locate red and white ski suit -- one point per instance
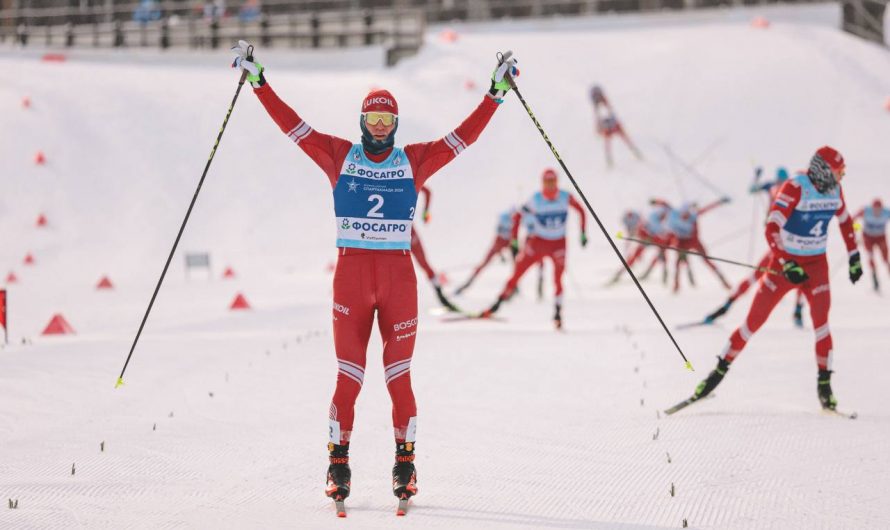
(368, 281)
(793, 208)
(539, 246)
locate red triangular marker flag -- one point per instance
(239, 302)
(58, 326)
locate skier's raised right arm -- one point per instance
(327, 151)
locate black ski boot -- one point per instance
(710, 383)
(404, 476)
(798, 316)
(339, 474)
(826, 396)
(557, 318)
(874, 279)
(719, 312)
(493, 309)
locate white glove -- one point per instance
(244, 61)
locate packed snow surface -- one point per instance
(222, 422)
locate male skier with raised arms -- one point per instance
(375, 187)
(797, 234)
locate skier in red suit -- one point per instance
(375, 185)
(653, 231)
(874, 235)
(772, 190)
(549, 209)
(607, 124)
(797, 234)
(683, 225)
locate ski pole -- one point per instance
(596, 217)
(620, 235)
(120, 379)
(691, 170)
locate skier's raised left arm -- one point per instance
(429, 157)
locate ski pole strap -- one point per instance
(621, 235)
(597, 219)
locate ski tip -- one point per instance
(340, 507)
(689, 366)
(119, 383)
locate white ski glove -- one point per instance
(244, 61)
(500, 85)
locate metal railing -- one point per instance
(178, 24)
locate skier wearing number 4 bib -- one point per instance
(796, 232)
(375, 186)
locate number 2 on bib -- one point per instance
(373, 212)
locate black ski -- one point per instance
(685, 403)
(340, 508)
(690, 325)
(847, 415)
(461, 317)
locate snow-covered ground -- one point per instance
(222, 422)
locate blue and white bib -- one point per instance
(682, 227)
(875, 225)
(375, 202)
(806, 232)
(655, 222)
(548, 218)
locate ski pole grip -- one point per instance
(249, 58)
